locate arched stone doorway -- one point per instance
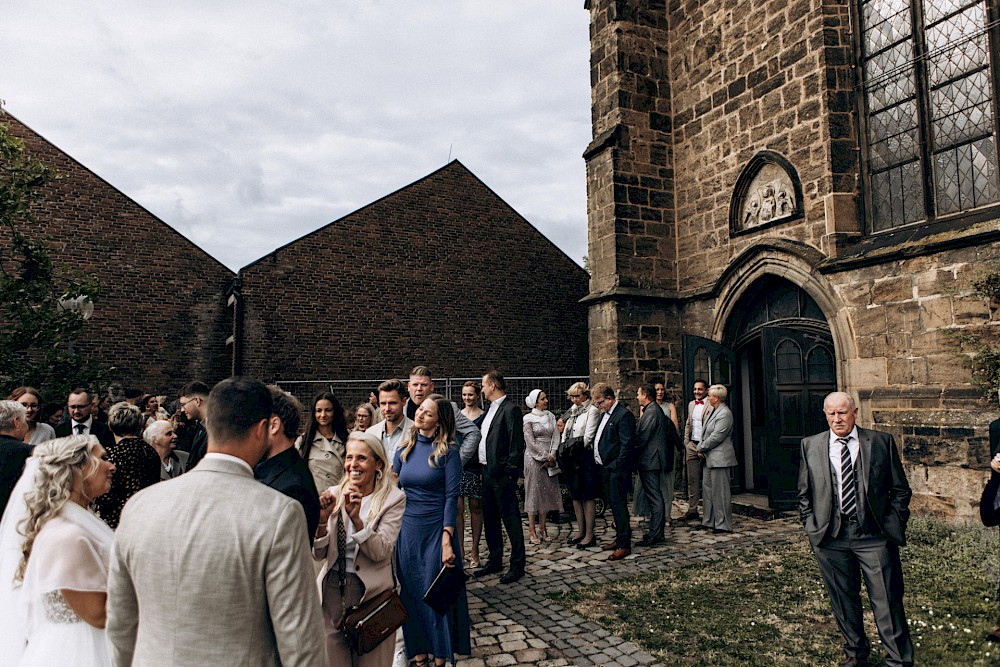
(777, 358)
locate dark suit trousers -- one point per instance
(616, 492)
(842, 562)
(500, 505)
(654, 498)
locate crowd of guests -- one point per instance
(154, 536)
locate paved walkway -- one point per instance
(518, 624)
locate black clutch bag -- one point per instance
(444, 590)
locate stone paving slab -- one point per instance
(518, 624)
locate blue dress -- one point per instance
(431, 505)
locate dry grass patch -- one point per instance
(769, 607)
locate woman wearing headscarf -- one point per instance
(541, 442)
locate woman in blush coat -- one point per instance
(368, 509)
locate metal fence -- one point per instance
(350, 393)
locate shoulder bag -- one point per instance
(368, 624)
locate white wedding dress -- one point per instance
(72, 551)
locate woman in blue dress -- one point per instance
(428, 464)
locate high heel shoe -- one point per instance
(574, 540)
(534, 539)
(587, 545)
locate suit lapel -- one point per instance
(819, 460)
(865, 452)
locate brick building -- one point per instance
(442, 272)
(162, 317)
(794, 197)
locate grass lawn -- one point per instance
(769, 607)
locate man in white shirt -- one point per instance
(854, 504)
(395, 429)
(693, 458)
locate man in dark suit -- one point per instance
(613, 451)
(282, 468)
(501, 451)
(82, 422)
(13, 451)
(191, 400)
(652, 452)
(854, 504)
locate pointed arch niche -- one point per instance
(767, 193)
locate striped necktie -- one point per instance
(849, 497)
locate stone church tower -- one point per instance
(791, 198)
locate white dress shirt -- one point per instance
(600, 432)
(836, 451)
(697, 421)
(487, 422)
(86, 426)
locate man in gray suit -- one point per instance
(651, 448)
(854, 503)
(213, 568)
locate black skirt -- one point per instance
(583, 476)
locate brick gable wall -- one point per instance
(441, 272)
(162, 318)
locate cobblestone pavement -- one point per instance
(518, 624)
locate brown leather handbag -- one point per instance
(368, 624)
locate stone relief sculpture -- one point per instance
(769, 197)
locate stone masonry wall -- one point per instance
(745, 77)
(752, 76)
(630, 181)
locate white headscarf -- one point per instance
(532, 398)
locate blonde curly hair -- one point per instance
(59, 461)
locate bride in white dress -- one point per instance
(63, 571)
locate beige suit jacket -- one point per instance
(213, 568)
(373, 562)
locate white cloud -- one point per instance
(243, 123)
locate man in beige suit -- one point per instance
(213, 568)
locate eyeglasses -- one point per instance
(183, 403)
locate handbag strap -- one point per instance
(342, 561)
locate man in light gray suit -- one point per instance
(854, 503)
(716, 446)
(213, 568)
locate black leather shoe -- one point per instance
(574, 540)
(487, 571)
(855, 662)
(511, 577)
(720, 531)
(700, 526)
(647, 542)
(587, 545)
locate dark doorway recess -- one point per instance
(777, 359)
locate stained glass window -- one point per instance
(927, 71)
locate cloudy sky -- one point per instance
(246, 124)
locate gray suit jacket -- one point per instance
(213, 568)
(717, 438)
(651, 438)
(884, 493)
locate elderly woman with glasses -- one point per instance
(579, 469)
